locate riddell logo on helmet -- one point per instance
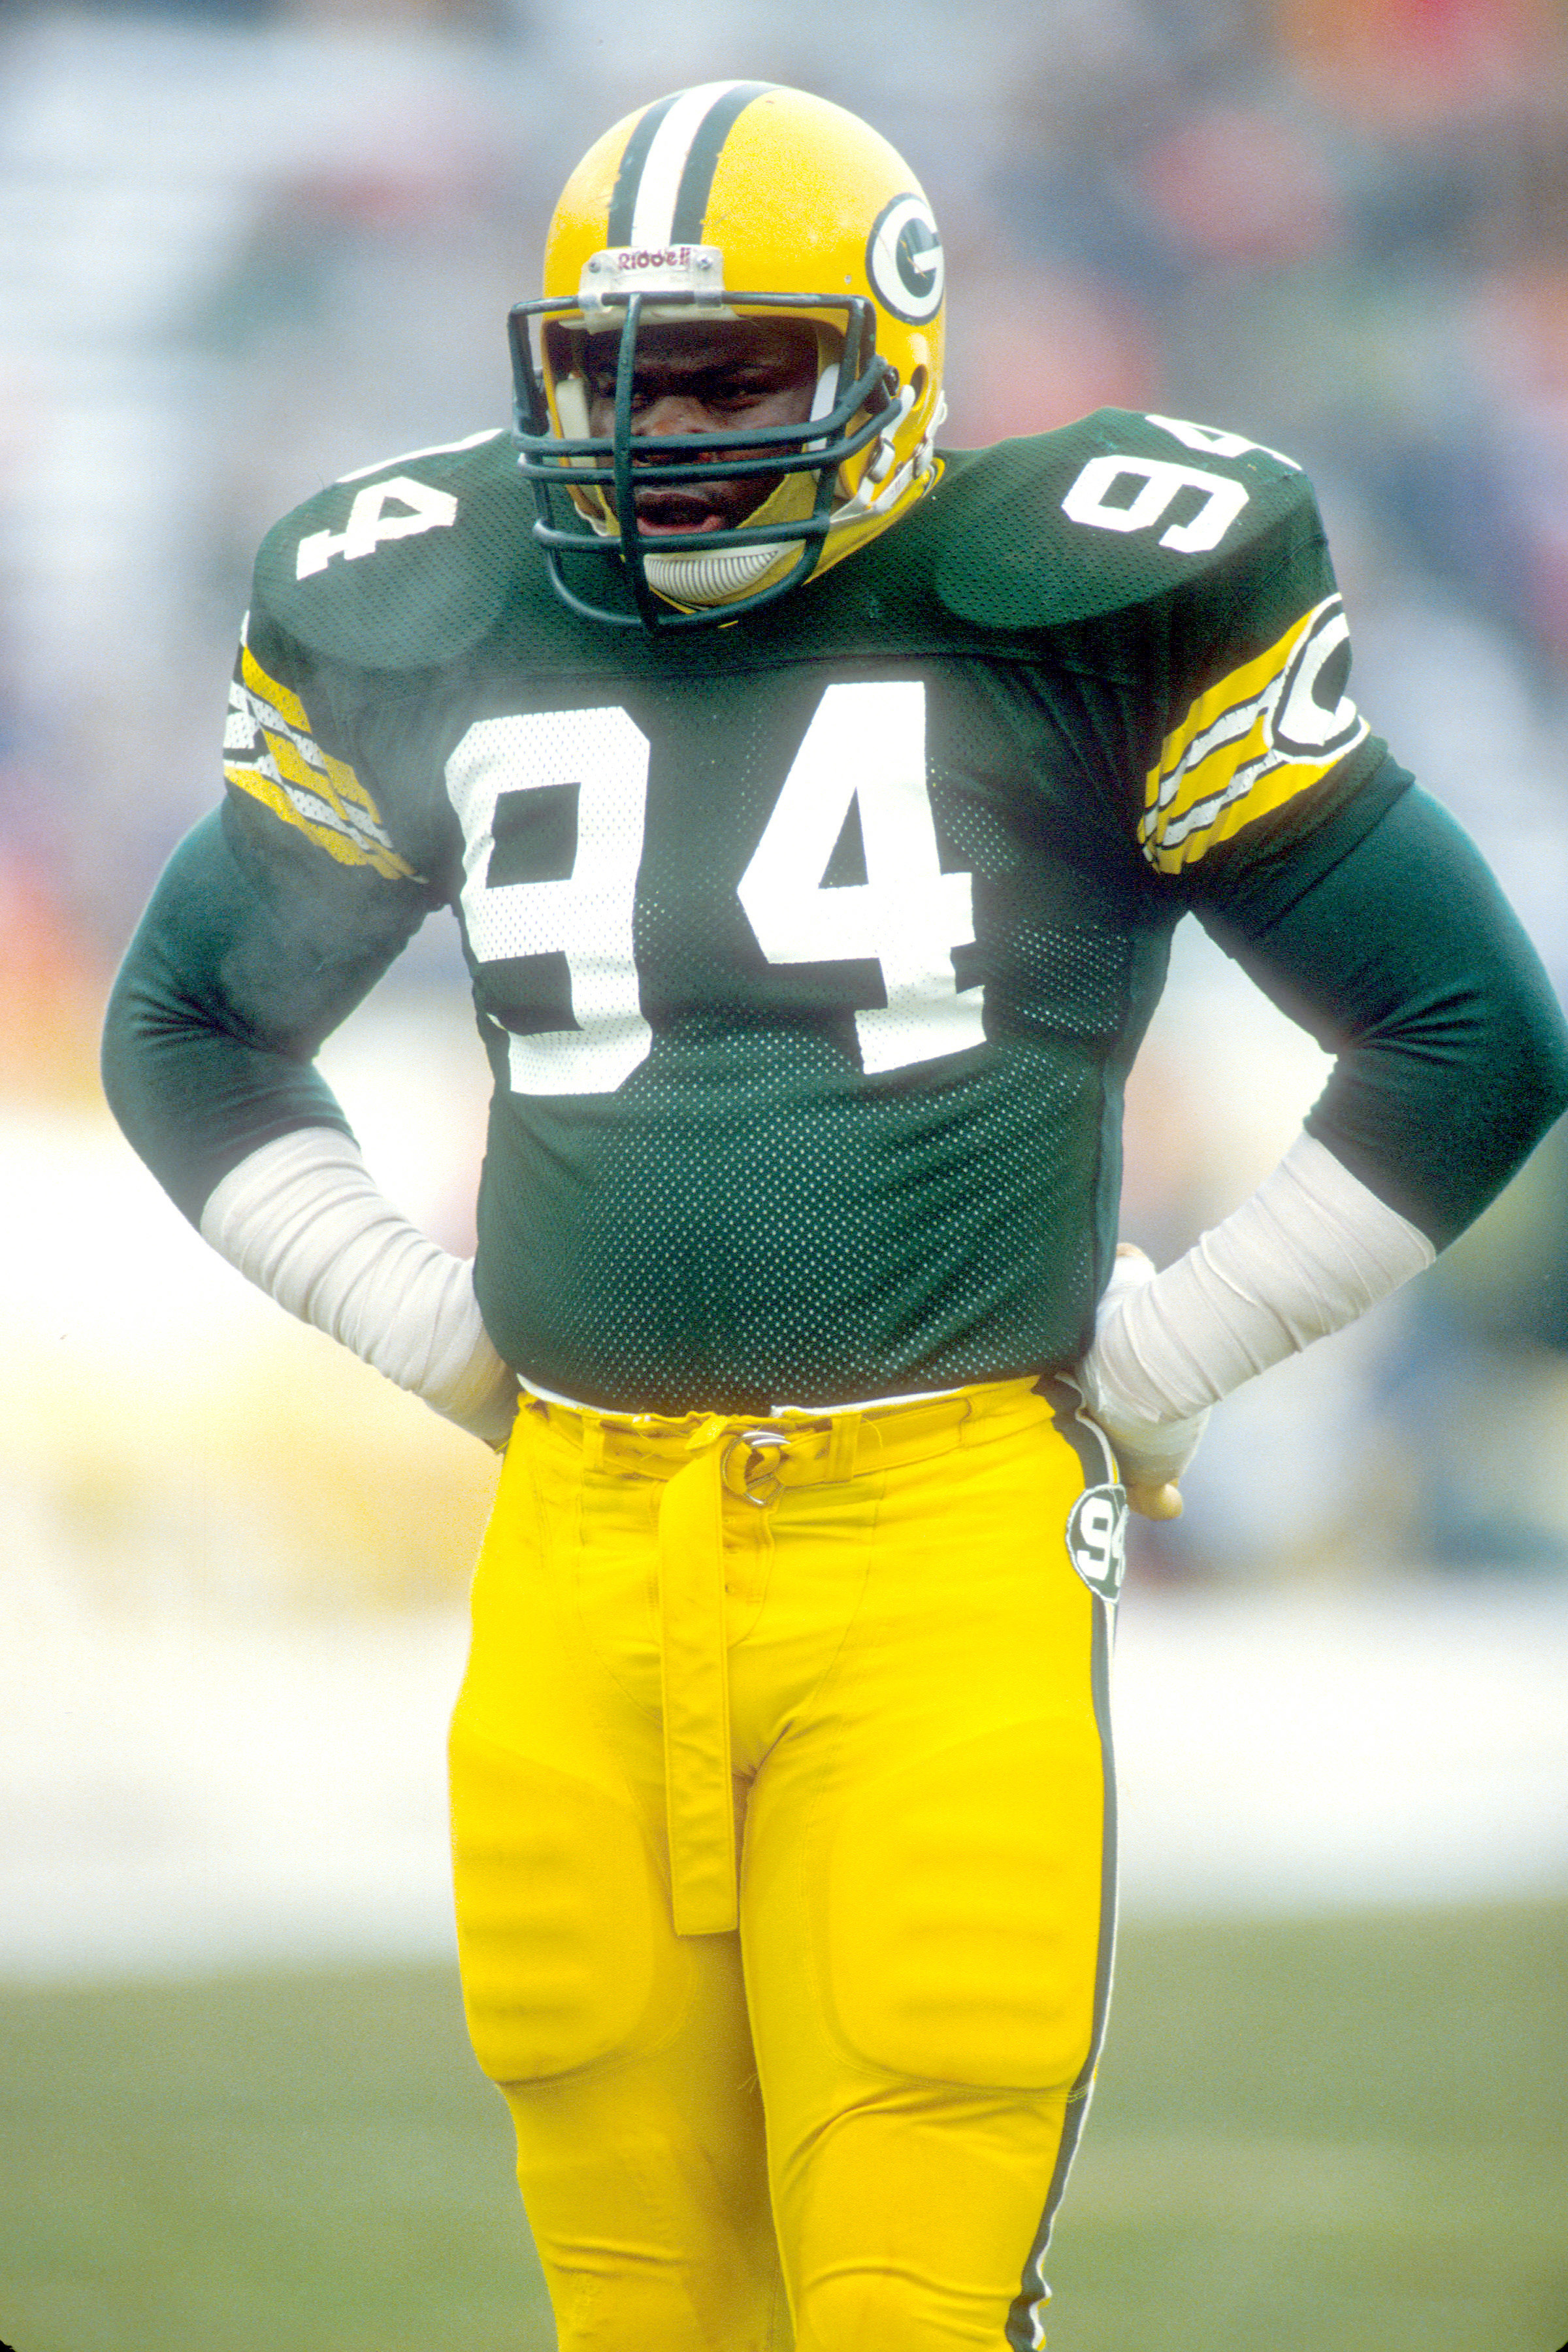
(645, 256)
(620, 269)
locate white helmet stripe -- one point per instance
(653, 217)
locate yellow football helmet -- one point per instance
(735, 200)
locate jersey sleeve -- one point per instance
(1256, 739)
(1178, 581)
(1403, 959)
(1259, 796)
(272, 920)
(273, 758)
(1270, 808)
(1266, 750)
(1354, 900)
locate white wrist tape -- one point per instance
(302, 1219)
(1151, 1446)
(1312, 1249)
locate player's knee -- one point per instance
(566, 1958)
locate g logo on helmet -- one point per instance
(903, 260)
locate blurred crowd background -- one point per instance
(247, 248)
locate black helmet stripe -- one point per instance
(666, 175)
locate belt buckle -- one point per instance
(753, 1474)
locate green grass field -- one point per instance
(1347, 2135)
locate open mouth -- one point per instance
(678, 509)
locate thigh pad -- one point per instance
(962, 1909)
(566, 1953)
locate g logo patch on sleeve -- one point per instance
(1097, 1538)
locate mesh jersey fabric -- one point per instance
(776, 1124)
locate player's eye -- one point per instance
(729, 391)
(737, 391)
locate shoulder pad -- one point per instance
(1115, 510)
(404, 565)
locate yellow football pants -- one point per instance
(783, 1832)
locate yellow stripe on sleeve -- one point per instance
(275, 758)
(1249, 744)
(284, 700)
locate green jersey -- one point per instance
(810, 952)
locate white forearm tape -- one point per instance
(303, 1220)
(1312, 1249)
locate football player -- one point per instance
(817, 805)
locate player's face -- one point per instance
(716, 376)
